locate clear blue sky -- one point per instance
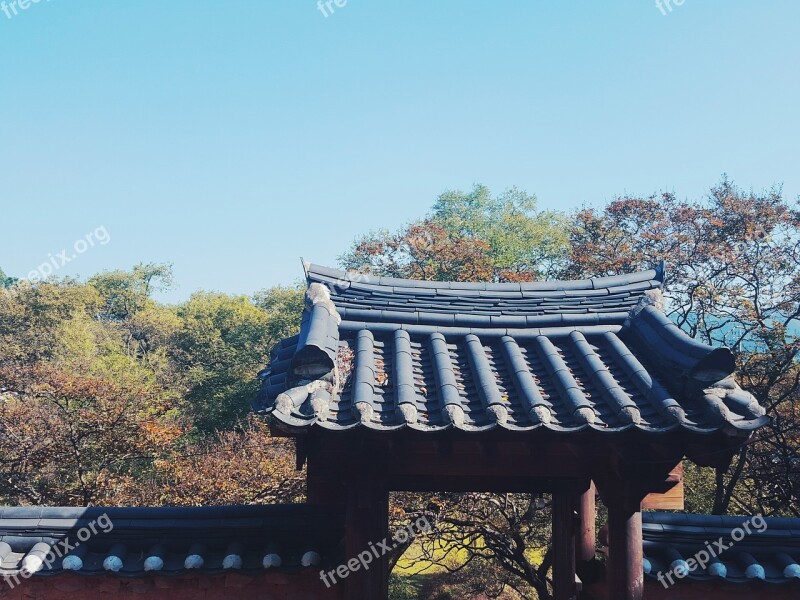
(231, 137)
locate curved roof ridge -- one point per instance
(361, 298)
(689, 523)
(338, 278)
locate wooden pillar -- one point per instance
(323, 487)
(366, 524)
(564, 528)
(585, 544)
(325, 483)
(624, 477)
(625, 575)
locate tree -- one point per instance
(423, 250)
(109, 396)
(222, 344)
(33, 315)
(69, 439)
(469, 237)
(524, 243)
(284, 308)
(6, 281)
(733, 279)
(480, 532)
(126, 293)
(245, 465)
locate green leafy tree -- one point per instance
(284, 308)
(32, 316)
(5, 280)
(523, 242)
(222, 344)
(469, 237)
(126, 293)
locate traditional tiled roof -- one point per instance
(757, 548)
(132, 542)
(383, 354)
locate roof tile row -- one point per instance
(132, 541)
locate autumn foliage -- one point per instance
(733, 279)
(107, 397)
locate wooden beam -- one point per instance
(478, 483)
(484, 465)
(670, 496)
(564, 527)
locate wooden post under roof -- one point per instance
(367, 525)
(625, 574)
(622, 494)
(564, 527)
(622, 488)
(585, 543)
